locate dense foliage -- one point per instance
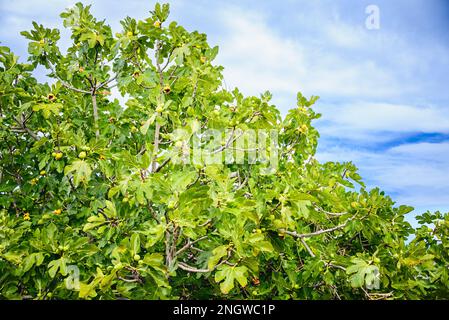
(90, 182)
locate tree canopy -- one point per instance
(98, 190)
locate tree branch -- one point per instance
(156, 147)
(205, 223)
(162, 165)
(188, 268)
(304, 243)
(158, 126)
(316, 233)
(168, 59)
(312, 234)
(64, 83)
(228, 143)
(189, 244)
(95, 111)
(24, 128)
(330, 264)
(336, 214)
(101, 85)
(129, 280)
(153, 213)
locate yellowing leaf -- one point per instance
(229, 274)
(217, 254)
(81, 171)
(48, 108)
(135, 244)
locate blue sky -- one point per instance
(384, 93)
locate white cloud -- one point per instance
(345, 35)
(424, 150)
(39, 7)
(369, 121)
(257, 57)
(416, 174)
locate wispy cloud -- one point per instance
(257, 56)
(414, 174)
(377, 122)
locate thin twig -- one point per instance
(106, 82)
(312, 234)
(95, 111)
(188, 268)
(158, 126)
(163, 164)
(24, 128)
(65, 84)
(307, 247)
(336, 214)
(189, 244)
(228, 143)
(153, 213)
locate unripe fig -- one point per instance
(178, 144)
